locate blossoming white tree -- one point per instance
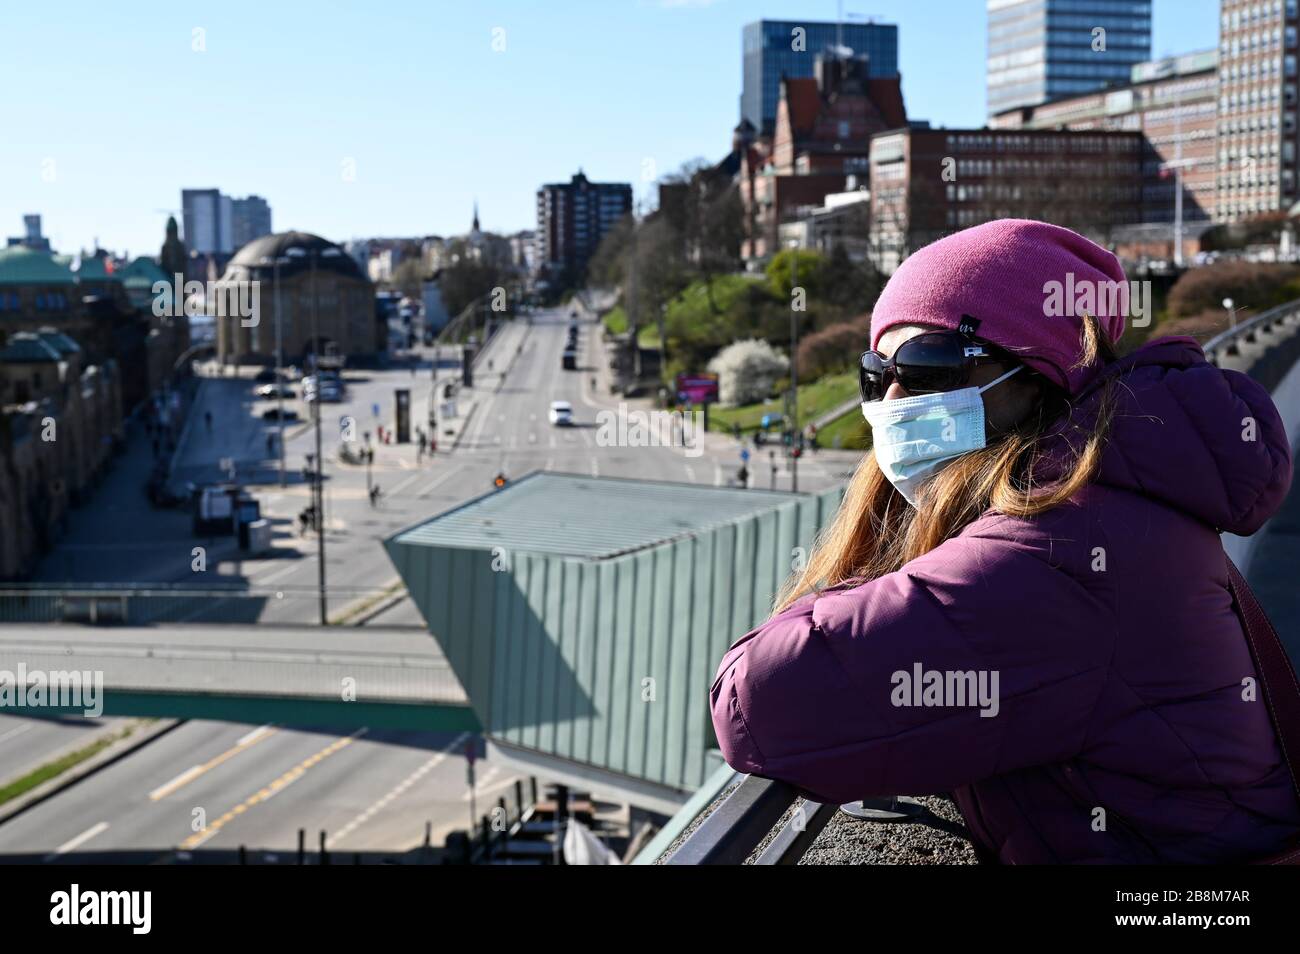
(747, 371)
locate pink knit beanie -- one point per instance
(1020, 284)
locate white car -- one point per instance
(561, 413)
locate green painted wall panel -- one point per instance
(625, 688)
(638, 728)
(602, 700)
(699, 667)
(553, 651)
(662, 616)
(679, 689)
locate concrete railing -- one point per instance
(1267, 347)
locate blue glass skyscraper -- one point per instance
(775, 48)
(1040, 50)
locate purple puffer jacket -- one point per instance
(1109, 625)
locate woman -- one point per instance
(1023, 598)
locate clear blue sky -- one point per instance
(413, 92)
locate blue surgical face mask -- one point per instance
(915, 436)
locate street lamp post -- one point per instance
(1231, 308)
(279, 356)
(319, 474)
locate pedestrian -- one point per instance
(1028, 520)
(422, 444)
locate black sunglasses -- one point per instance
(927, 364)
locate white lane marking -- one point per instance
(162, 791)
(18, 730)
(595, 470)
(257, 733)
(532, 438)
(550, 462)
(586, 437)
(445, 474)
(690, 472)
(552, 442)
(401, 787)
(514, 441)
(414, 477)
(80, 840)
(482, 790)
(272, 577)
(481, 785)
(717, 473)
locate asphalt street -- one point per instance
(221, 785)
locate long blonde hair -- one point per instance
(876, 531)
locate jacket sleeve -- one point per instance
(820, 696)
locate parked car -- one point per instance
(273, 414)
(329, 393)
(561, 413)
(275, 390)
(265, 376)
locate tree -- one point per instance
(465, 280)
(834, 349)
(747, 372)
(1249, 284)
(408, 277)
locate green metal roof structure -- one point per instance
(585, 617)
(142, 273)
(20, 265)
(27, 348)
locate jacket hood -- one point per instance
(1204, 440)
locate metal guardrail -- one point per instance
(731, 833)
(145, 604)
(1228, 342)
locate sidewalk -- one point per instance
(116, 536)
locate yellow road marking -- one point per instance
(186, 777)
(288, 778)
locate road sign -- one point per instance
(744, 454)
(374, 409)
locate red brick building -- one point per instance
(823, 135)
(928, 183)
